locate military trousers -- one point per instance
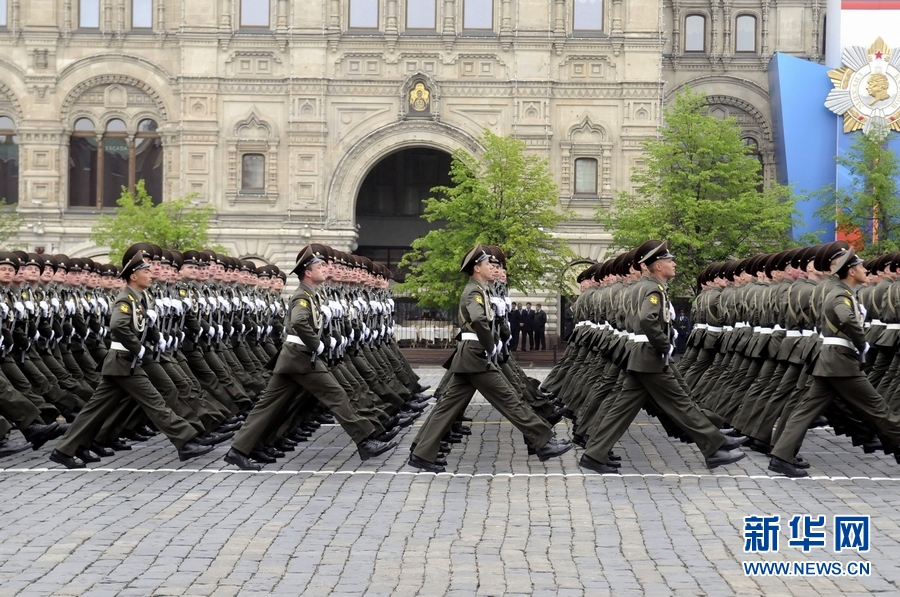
(856, 391)
(108, 395)
(459, 391)
(669, 396)
(282, 390)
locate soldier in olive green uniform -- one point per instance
(474, 367)
(298, 369)
(837, 372)
(649, 376)
(122, 376)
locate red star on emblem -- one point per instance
(878, 55)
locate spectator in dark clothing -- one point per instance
(540, 325)
(528, 328)
(683, 325)
(514, 319)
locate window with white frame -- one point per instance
(141, 14)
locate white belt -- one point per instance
(638, 338)
(468, 336)
(713, 328)
(893, 326)
(118, 346)
(756, 329)
(741, 324)
(581, 323)
(295, 340)
(808, 333)
(794, 334)
(867, 325)
(832, 341)
(878, 322)
(765, 331)
(777, 328)
(727, 328)
(700, 326)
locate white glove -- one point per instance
(188, 302)
(671, 312)
(20, 308)
(151, 315)
(246, 300)
(211, 332)
(674, 334)
(268, 329)
(259, 330)
(320, 348)
(273, 308)
(86, 305)
(221, 332)
(390, 303)
(332, 342)
(671, 349)
(508, 304)
(865, 348)
(45, 308)
(103, 303)
(374, 334)
(55, 302)
(70, 307)
(176, 306)
(202, 301)
(496, 350)
(236, 302)
(141, 353)
(224, 302)
(862, 311)
(5, 308)
(37, 335)
(161, 345)
(260, 305)
(93, 304)
(30, 306)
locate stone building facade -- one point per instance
(276, 111)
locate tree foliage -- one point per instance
(506, 198)
(174, 224)
(10, 224)
(868, 211)
(700, 189)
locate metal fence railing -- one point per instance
(418, 327)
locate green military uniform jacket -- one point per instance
(475, 316)
(127, 323)
(651, 319)
(843, 319)
(305, 323)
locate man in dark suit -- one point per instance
(683, 325)
(528, 326)
(540, 326)
(298, 370)
(514, 319)
(837, 373)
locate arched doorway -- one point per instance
(389, 205)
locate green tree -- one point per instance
(869, 209)
(174, 224)
(505, 198)
(10, 224)
(701, 190)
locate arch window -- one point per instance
(421, 14)
(9, 161)
(745, 34)
(89, 14)
(585, 176)
(102, 162)
(254, 14)
(141, 14)
(363, 14)
(478, 14)
(695, 33)
(587, 15)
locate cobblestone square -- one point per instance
(319, 522)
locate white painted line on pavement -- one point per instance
(214, 471)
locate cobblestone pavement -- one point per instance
(321, 523)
